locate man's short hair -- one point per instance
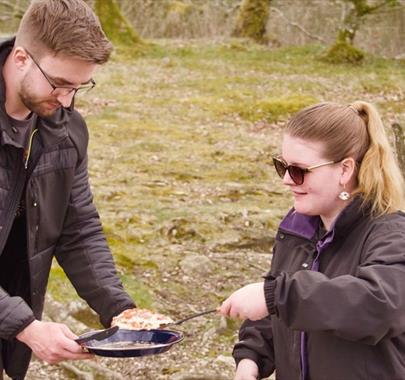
(67, 27)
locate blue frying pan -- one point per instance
(133, 343)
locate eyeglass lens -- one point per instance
(295, 172)
(63, 90)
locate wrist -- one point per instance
(25, 330)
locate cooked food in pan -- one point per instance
(140, 319)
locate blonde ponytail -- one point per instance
(380, 181)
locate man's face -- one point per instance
(37, 89)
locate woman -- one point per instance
(333, 304)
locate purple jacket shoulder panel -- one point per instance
(300, 224)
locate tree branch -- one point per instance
(380, 5)
(298, 26)
(12, 6)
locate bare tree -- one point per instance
(252, 19)
(355, 16)
(343, 50)
(115, 25)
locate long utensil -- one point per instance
(97, 335)
(179, 322)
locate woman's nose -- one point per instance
(287, 180)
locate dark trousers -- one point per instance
(14, 279)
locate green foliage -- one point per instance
(343, 52)
(274, 109)
(252, 19)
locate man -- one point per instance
(46, 207)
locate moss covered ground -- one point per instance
(180, 166)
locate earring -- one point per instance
(344, 195)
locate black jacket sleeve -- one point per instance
(84, 255)
(365, 307)
(15, 315)
(256, 343)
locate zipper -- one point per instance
(18, 188)
(28, 151)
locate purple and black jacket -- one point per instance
(336, 300)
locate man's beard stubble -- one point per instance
(41, 107)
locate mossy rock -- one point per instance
(274, 109)
(342, 52)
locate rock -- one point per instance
(228, 360)
(196, 265)
(204, 376)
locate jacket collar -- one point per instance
(52, 130)
(307, 226)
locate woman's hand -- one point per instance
(247, 370)
(246, 303)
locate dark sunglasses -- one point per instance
(295, 172)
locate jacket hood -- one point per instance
(52, 130)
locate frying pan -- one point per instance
(134, 343)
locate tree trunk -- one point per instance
(252, 19)
(399, 133)
(352, 21)
(343, 50)
(115, 25)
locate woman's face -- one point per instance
(318, 194)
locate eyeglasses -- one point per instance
(63, 90)
(295, 172)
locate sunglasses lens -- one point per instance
(296, 174)
(280, 167)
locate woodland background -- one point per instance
(183, 123)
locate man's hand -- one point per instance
(246, 303)
(247, 370)
(52, 342)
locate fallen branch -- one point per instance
(108, 373)
(298, 26)
(79, 373)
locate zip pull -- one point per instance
(28, 151)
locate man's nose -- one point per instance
(65, 99)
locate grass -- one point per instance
(186, 131)
(181, 140)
